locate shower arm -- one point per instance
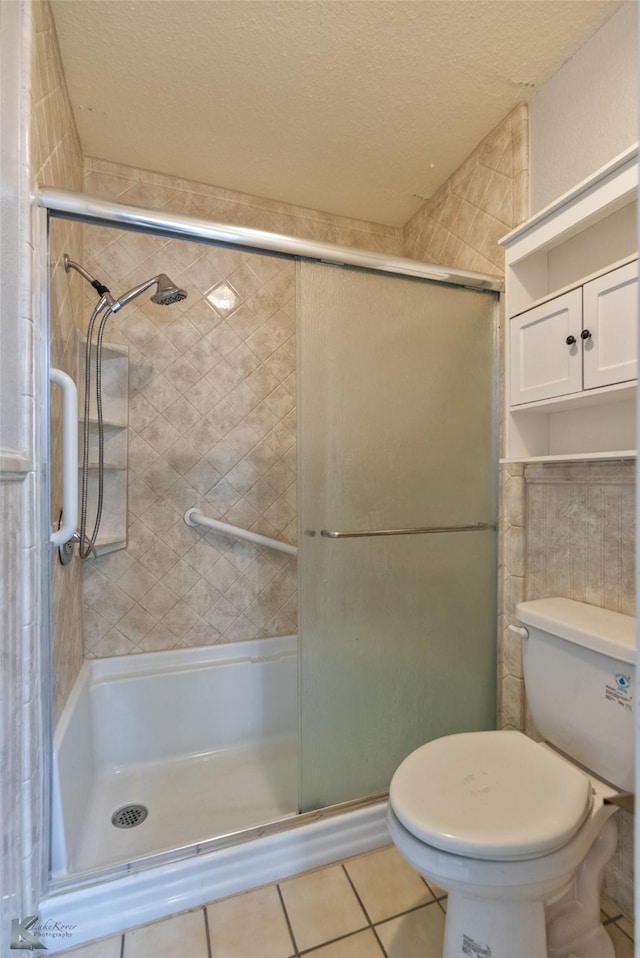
(100, 288)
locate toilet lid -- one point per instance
(492, 795)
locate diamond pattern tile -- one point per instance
(212, 425)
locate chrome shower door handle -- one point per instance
(69, 457)
(415, 531)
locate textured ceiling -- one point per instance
(356, 107)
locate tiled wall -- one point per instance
(44, 144)
(18, 878)
(157, 191)
(66, 581)
(485, 198)
(211, 425)
(57, 161)
(212, 419)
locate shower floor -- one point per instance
(190, 800)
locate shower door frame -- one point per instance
(83, 208)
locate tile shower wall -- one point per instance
(44, 145)
(212, 425)
(485, 198)
(66, 581)
(212, 419)
(127, 184)
(57, 161)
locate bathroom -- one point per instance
(537, 559)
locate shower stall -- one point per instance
(212, 688)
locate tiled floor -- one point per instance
(372, 906)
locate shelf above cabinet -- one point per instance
(571, 295)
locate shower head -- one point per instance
(166, 293)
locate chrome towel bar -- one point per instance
(418, 531)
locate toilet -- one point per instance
(517, 831)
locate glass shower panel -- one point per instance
(397, 405)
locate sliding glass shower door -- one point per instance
(397, 406)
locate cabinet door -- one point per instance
(543, 364)
(610, 312)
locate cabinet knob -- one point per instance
(585, 334)
(570, 340)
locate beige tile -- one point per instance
(437, 891)
(250, 924)
(419, 934)
(107, 948)
(623, 946)
(626, 925)
(386, 884)
(363, 944)
(182, 935)
(608, 906)
(321, 906)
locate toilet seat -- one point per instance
(497, 796)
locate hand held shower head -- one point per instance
(166, 293)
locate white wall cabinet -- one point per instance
(571, 293)
(585, 339)
(610, 318)
(546, 360)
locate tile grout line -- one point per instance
(435, 900)
(333, 941)
(366, 913)
(286, 918)
(622, 931)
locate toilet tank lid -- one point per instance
(601, 630)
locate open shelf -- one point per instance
(115, 401)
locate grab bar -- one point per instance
(418, 531)
(193, 517)
(69, 457)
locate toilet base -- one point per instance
(539, 908)
(481, 928)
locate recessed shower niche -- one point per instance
(112, 534)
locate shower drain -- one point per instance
(129, 816)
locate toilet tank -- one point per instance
(579, 675)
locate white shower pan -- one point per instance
(204, 740)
